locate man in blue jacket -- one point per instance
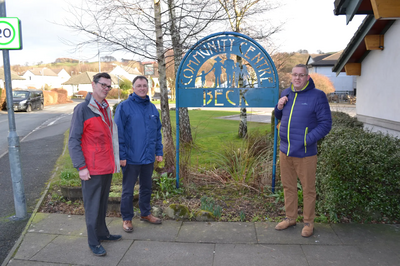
(139, 134)
(305, 118)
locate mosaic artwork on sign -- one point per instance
(211, 75)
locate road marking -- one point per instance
(46, 123)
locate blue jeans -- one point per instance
(130, 175)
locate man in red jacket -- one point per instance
(305, 118)
(93, 147)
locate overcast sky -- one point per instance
(310, 25)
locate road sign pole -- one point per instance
(13, 139)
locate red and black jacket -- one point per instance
(92, 143)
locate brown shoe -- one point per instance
(151, 219)
(127, 226)
(308, 230)
(285, 224)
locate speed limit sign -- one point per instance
(10, 34)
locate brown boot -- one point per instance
(151, 219)
(285, 224)
(127, 226)
(308, 230)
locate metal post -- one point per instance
(13, 139)
(274, 156)
(119, 99)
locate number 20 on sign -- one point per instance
(10, 34)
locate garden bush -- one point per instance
(358, 175)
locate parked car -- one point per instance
(28, 100)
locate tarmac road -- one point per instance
(39, 150)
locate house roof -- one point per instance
(352, 7)
(356, 50)
(14, 76)
(132, 71)
(42, 72)
(86, 78)
(58, 70)
(323, 60)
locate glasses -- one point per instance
(104, 86)
(295, 75)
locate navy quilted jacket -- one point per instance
(305, 119)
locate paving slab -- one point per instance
(144, 253)
(217, 232)
(347, 255)
(32, 244)
(323, 235)
(75, 250)
(250, 254)
(368, 233)
(58, 224)
(16, 262)
(167, 231)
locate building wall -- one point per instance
(378, 89)
(341, 82)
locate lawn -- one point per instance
(212, 135)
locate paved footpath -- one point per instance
(60, 239)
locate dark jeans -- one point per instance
(130, 175)
(95, 199)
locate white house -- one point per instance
(39, 78)
(373, 56)
(14, 78)
(126, 72)
(83, 82)
(63, 76)
(322, 64)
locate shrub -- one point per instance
(343, 119)
(323, 83)
(83, 93)
(358, 176)
(2, 99)
(62, 95)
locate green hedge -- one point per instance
(358, 174)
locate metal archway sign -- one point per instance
(253, 82)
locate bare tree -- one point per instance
(165, 117)
(128, 26)
(241, 15)
(187, 22)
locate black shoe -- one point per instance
(110, 238)
(98, 250)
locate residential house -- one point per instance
(14, 78)
(83, 82)
(322, 64)
(372, 55)
(39, 78)
(63, 76)
(126, 72)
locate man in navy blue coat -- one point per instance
(140, 144)
(305, 117)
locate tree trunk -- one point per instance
(242, 132)
(185, 132)
(169, 148)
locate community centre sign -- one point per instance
(226, 69)
(210, 76)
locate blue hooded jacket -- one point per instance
(305, 119)
(139, 130)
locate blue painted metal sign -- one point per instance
(251, 82)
